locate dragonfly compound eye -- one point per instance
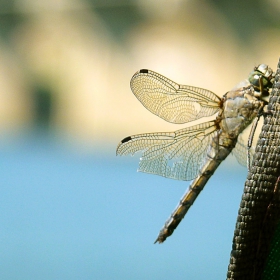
(266, 71)
(262, 74)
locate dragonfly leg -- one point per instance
(261, 85)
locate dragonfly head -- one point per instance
(262, 78)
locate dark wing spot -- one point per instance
(126, 139)
(144, 71)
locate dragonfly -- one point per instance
(195, 152)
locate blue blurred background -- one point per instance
(71, 209)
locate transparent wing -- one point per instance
(173, 102)
(177, 155)
(241, 152)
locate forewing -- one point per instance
(173, 102)
(177, 155)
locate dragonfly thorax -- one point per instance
(240, 107)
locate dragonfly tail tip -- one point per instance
(159, 240)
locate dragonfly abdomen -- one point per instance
(214, 159)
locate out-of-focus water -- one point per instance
(71, 215)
